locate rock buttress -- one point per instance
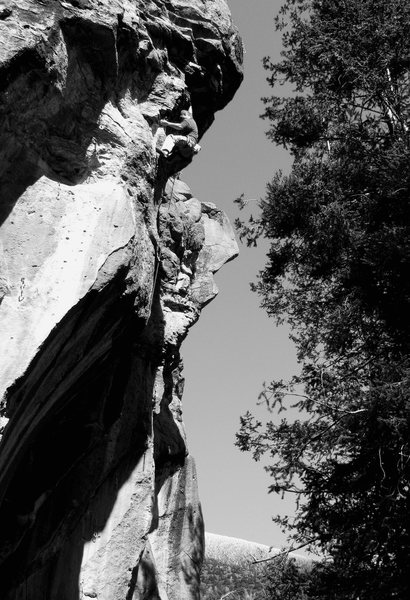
(106, 260)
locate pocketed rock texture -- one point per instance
(106, 260)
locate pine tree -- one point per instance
(338, 273)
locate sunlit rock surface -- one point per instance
(106, 260)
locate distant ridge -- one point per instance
(229, 567)
(231, 550)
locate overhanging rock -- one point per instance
(104, 266)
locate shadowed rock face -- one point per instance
(106, 260)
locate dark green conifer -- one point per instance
(338, 272)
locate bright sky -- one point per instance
(234, 347)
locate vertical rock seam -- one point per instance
(106, 260)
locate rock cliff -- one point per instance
(106, 260)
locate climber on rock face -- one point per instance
(186, 139)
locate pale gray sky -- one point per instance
(235, 347)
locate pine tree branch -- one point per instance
(284, 552)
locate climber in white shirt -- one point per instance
(185, 140)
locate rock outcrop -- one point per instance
(106, 260)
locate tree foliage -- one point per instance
(283, 579)
(338, 272)
(287, 580)
(242, 581)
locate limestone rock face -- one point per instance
(106, 260)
